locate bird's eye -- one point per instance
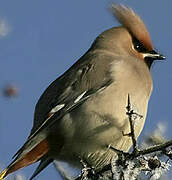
(138, 46)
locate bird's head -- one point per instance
(131, 37)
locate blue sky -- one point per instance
(42, 38)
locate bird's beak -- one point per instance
(154, 55)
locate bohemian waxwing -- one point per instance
(84, 110)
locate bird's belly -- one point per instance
(92, 127)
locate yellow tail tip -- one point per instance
(3, 174)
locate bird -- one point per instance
(83, 111)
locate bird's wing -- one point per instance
(85, 78)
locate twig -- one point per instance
(130, 112)
(119, 152)
(159, 147)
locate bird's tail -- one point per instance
(26, 156)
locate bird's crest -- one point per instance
(133, 23)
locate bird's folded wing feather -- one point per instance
(71, 89)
